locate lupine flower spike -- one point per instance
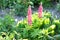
(40, 10)
(29, 15)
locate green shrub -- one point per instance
(46, 3)
(41, 28)
(58, 7)
(18, 7)
(7, 26)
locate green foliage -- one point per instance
(58, 7)
(6, 23)
(7, 26)
(46, 3)
(18, 7)
(41, 29)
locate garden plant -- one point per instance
(37, 26)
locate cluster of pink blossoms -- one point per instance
(40, 10)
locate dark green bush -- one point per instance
(19, 7)
(7, 28)
(58, 7)
(46, 3)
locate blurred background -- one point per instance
(19, 7)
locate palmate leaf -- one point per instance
(25, 33)
(35, 33)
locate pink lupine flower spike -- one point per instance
(40, 10)
(29, 15)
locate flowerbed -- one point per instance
(42, 28)
(45, 28)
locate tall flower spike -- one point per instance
(40, 10)
(29, 15)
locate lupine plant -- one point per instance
(44, 28)
(40, 10)
(29, 15)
